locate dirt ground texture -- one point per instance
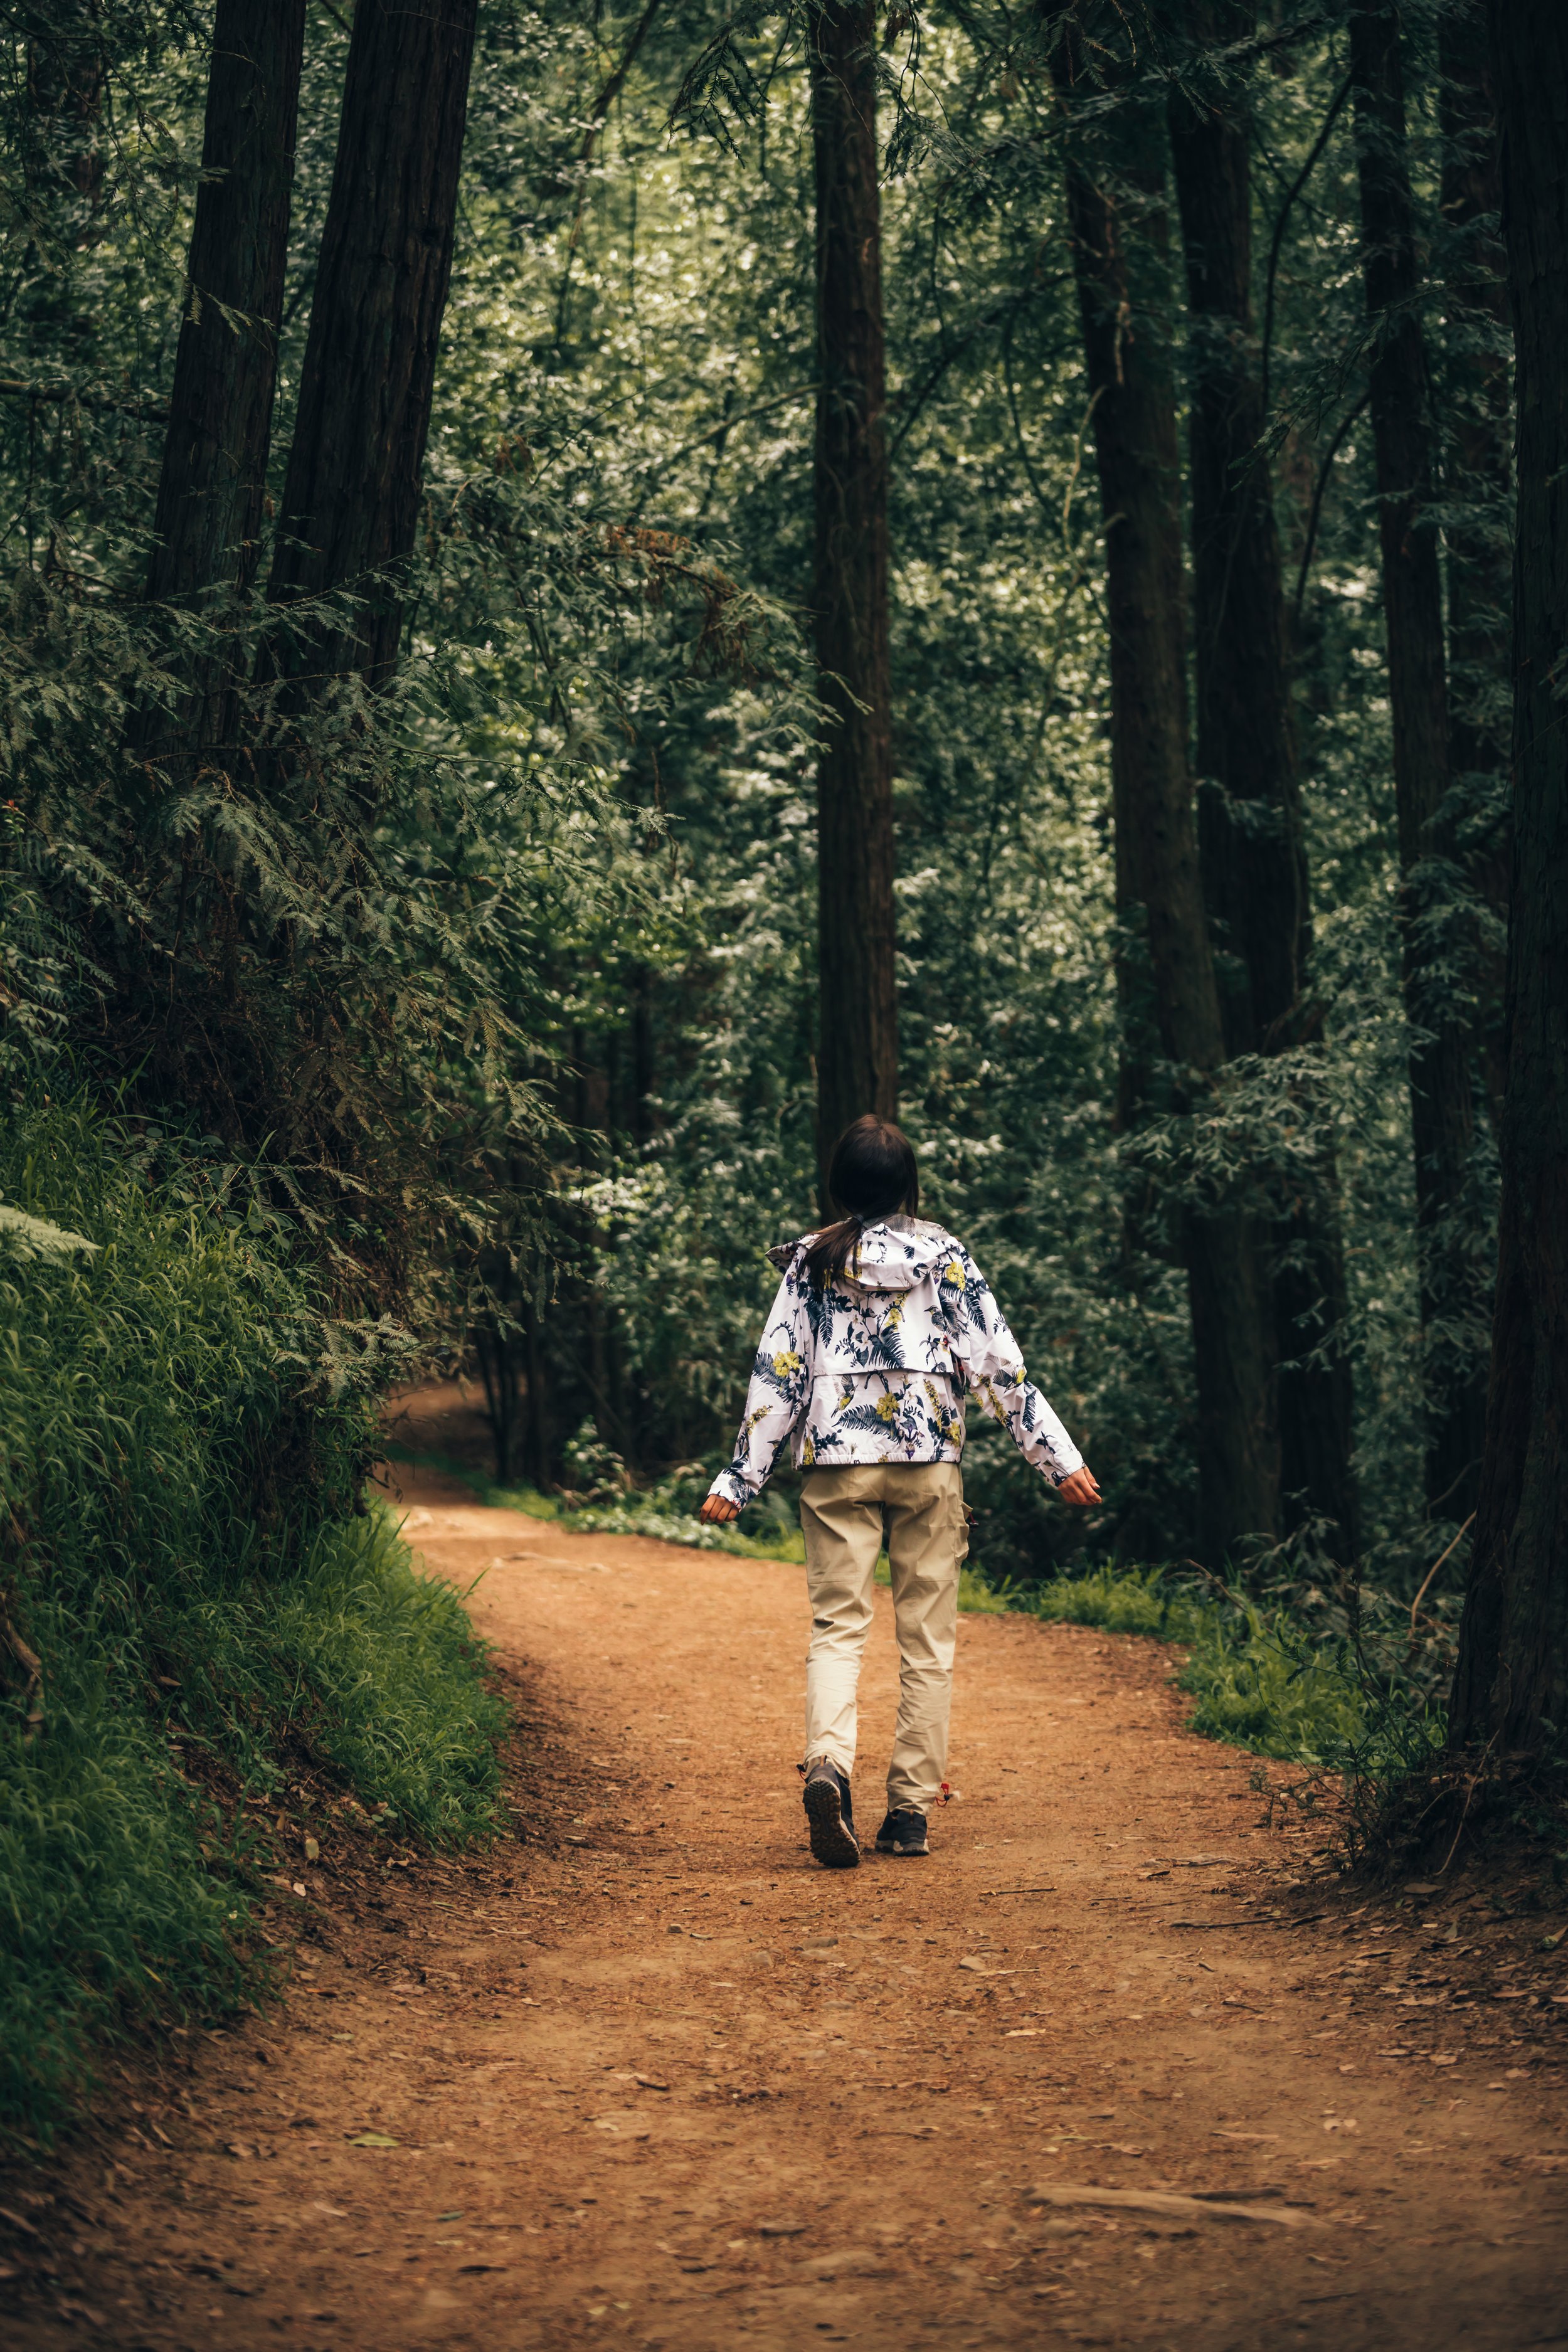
(646, 2075)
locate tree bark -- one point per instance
(1477, 493)
(350, 496)
(1251, 846)
(214, 477)
(1406, 440)
(1115, 190)
(857, 1051)
(1510, 1690)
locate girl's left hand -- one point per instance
(1080, 1487)
(717, 1508)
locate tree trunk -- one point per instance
(1251, 848)
(1511, 1686)
(351, 496)
(1115, 187)
(857, 1052)
(1406, 450)
(1476, 496)
(213, 475)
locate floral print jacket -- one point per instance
(876, 1367)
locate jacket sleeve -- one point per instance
(993, 1366)
(776, 1398)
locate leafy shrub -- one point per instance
(191, 1607)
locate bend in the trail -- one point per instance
(652, 2078)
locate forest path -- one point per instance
(656, 2080)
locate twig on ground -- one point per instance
(1155, 2201)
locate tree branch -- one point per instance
(1291, 192)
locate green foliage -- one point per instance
(502, 985)
(191, 1609)
(669, 292)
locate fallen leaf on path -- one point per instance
(651, 2083)
(1270, 2136)
(1156, 2200)
(484, 2266)
(370, 2139)
(781, 2229)
(336, 2212)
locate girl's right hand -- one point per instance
(1079, 1488)
(717, 1508)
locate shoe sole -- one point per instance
(832, 1842)
(904, 1852)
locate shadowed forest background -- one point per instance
(495, 770)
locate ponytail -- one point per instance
(832, 1250)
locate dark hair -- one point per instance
(871, 1175)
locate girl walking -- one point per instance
(882, 1327)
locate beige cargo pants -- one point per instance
(845, 1514)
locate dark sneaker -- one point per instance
(831, 1816)
(904, 1832)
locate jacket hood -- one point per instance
(894, 1255)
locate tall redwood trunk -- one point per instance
(1477, 491)
(1511, 1686)
(1115, 188)
(1406, 439)
(351, 496)
(213, 475)
(1250, 840)
(1512, 1678)
(858, 1059)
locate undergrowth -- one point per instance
(194, 1608)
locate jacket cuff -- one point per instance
(733, 1489)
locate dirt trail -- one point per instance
(656, 2080)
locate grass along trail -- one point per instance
(1105, 2070)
